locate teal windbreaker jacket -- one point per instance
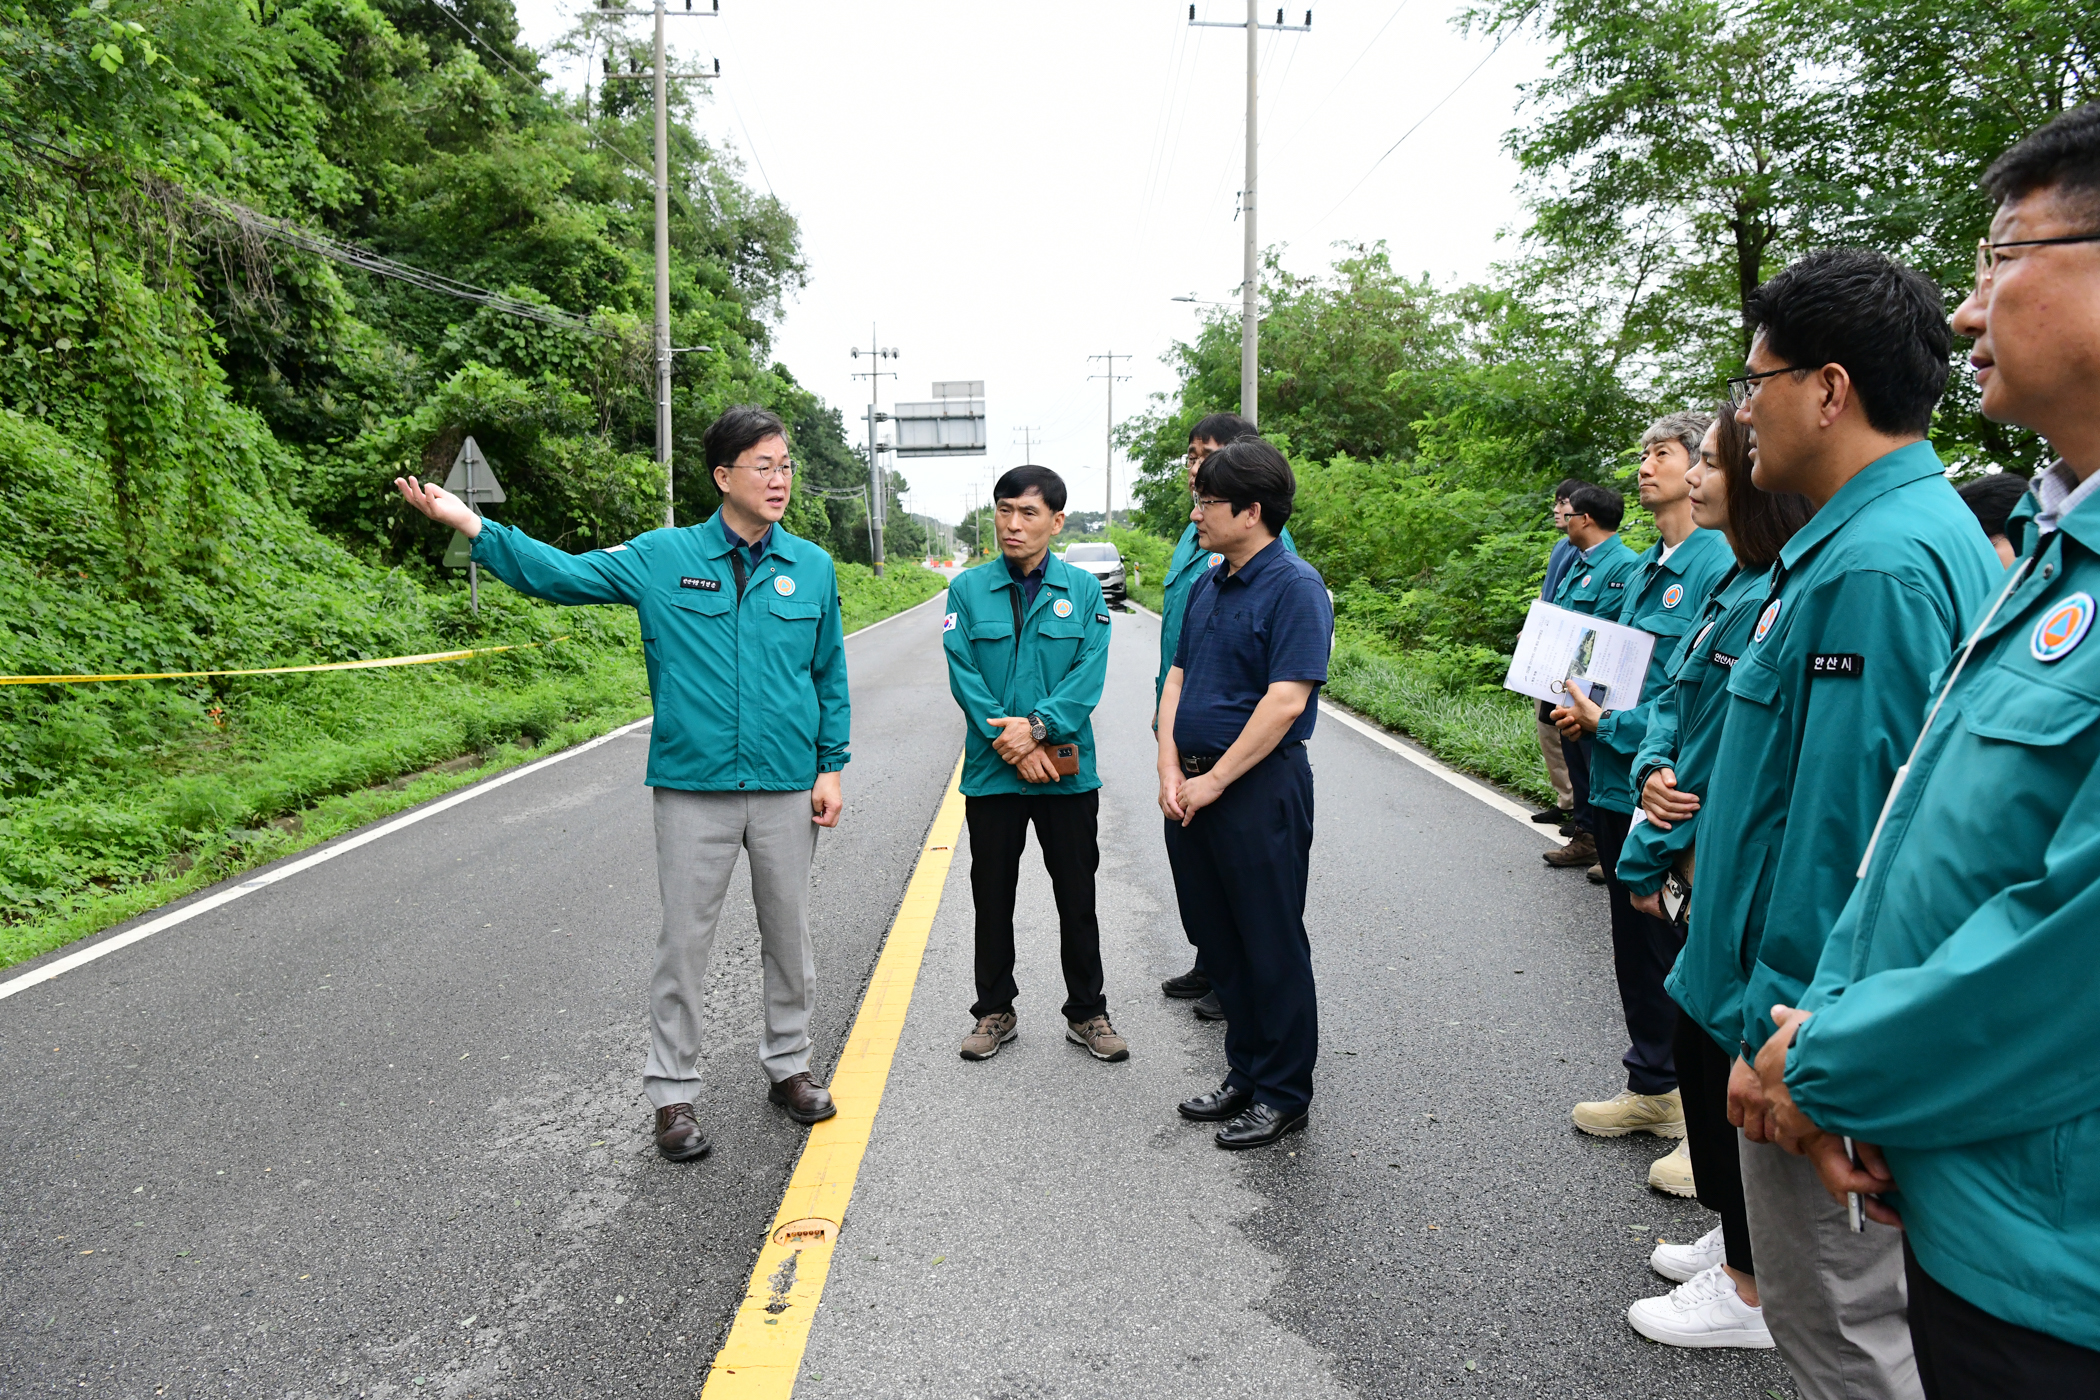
(1597, 585)
(1183, 569)
(1662, 597)
(1055, 668)
(1866, 603)
(750, 695)
(1957, 1005)
(1686, 727)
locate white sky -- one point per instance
(1005, 190)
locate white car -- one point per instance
(1100, 559)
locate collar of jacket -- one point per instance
(1688, 548)
(1911, 462)
(714, 541)
(2083, 523)
(1057, 574)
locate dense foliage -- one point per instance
(198, 426)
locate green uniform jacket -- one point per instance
(1597, 585)
(1686, 727)
(1865, 605)
(1662, 597)
(1183, 570)
(1957, 1005)
(748, 696)
(1055, 668)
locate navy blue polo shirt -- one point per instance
(1243, 632)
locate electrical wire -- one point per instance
(1336, 85)
(1416, 127)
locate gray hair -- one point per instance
(1687, 426)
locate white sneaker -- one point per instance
(1705, 1311)
(1679, 1263)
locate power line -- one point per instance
(1336, 85)
(1417, 126)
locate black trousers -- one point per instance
(1643, 950)
(1965, 1353)
(1717, 1162)
(1065, 826)
(1240, 872)
(1577, 753)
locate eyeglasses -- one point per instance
(783, 472)
(1744, 387)
(1206, 502)
(1987, 258)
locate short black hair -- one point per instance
(1567, 488)
(1019, 481)
(1222, 428)
(1884, 322)
(2064, 154)
(1600, 503)
(740, 428)
(1248, 471)
(1992, 498)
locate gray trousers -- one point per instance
(1835, 1301)
(697, 837)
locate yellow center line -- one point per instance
(763, 1354)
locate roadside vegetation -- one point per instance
(199, 425)
(1675, 156)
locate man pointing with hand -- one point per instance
(747, 669)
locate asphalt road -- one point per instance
(377, 1130)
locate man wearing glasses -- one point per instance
(1191, 558)
(1951, 1021)
(1867, 602)
(747, 669)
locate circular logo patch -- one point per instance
(1213, 561)
(1673, 595)
(783, 585)
(1764, 623)
(1585, 581)
(1062, 607)
(2062, 628)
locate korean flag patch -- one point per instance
(948, 623)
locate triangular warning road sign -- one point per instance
(471, 478)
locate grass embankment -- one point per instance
(120, 796)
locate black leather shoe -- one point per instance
(1550, 816)
(805, 1100)
(1258, 1127)
(678, 1135)
(1220, 1104)
(1188, 985)
(1209, 1008)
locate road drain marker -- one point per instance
(763, 1354)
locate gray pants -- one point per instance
(1835, 1301)
(697, 837)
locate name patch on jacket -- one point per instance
(1621, 583)
(1837, 663)
(705, 585)
(1101, 618)
(1721, 658)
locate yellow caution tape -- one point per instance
(424, 660)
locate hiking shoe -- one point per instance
(1673, 1173)
(1209, 1008)
(1680, 1262)
(1550, 816)
(1099, 1038)
(1703, 1311)
(1578, 853)
(1627, 1112)
(992, 1032)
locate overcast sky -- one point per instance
(1004, 190)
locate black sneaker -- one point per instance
(1551, 816)
(1209, 1008)
(1188, 986)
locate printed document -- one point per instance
(1559, 649)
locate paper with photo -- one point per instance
(1559, 648)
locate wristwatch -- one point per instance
(1037, 729)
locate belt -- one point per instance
(1196, 764)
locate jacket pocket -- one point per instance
(796, 612)
(2017, 709)
(706, 604)
(1755, 679)
(991, 629)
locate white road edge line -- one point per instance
(1480, 792)
(895, 615)
(61, 966)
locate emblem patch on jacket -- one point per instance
(1673, 595)
(1764, 623)
(784, 586)
(2062, 628)
(705, 585)
(1213, 561)
(948, 623)
(1062, 607)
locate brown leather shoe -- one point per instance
(678, 1135)
(805, 1100)
(1579, 854)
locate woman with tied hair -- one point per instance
(1716, 1302)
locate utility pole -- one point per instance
(1250, 256)
(878, 495)
(1028, 433)
(1108, 440)
(660, 81)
